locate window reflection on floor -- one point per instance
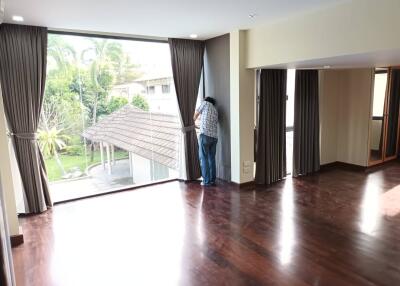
(390, 202)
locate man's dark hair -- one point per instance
(210, 100)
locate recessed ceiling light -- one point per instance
(193, 36)
(327, 67)
(252, 16)
(18, 18)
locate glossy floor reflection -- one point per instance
(335, 228)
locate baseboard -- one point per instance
(343, 165)
(17, 240)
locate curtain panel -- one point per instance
(271, 139)
(393, 113)
(23, 59)
(306, 153)
(187, 64)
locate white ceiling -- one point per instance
(384, 58)
(157, 18)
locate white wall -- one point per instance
(353, 27)
(345, 106)
(242, 83)
(9, 180)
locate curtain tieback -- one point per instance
(26, 136)
(187, 129)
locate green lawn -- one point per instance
(72, 161)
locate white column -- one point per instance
(242, 86)
(102, 155)
(130, 164)
(112, 154)
(108, 159)
(8, 175)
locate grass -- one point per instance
(72, 161)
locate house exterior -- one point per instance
(158, 90)
(128, 90)
(152, 140)
(160, 93)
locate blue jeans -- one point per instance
(207, 150)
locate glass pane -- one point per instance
(289, 152)
(290, 85)
(379, 94)
(393, 113)
(291, 73)
(377, 120)
(110, 115)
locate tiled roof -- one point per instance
(155, 136)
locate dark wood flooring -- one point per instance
(336, 228)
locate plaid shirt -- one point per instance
(209, 119)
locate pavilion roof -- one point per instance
(155, 136)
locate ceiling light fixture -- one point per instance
(252, 16)
(193, 36)
(18, 18)
(327, 67)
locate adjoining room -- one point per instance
(208, 143)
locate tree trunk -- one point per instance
(58, 161)
(93, 123)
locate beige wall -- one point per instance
(353, 27)
(345, 106)
(331, 87)
(242, 111)
(8, 174)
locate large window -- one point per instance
(98, 129)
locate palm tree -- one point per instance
(50, 141)
(103, 57)
(61, 52)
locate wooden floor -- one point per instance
(335, 228)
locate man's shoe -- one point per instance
(204, 184)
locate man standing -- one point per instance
(208, 139)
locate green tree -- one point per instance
(125, 70)
(103, 57)
(50, 142)
(61, 54)
(140, 102)
(61, 109)
(116, 103)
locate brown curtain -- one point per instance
(23, 57)
(187, 64)
(271, 139)
(393, 113)
(306, 158)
